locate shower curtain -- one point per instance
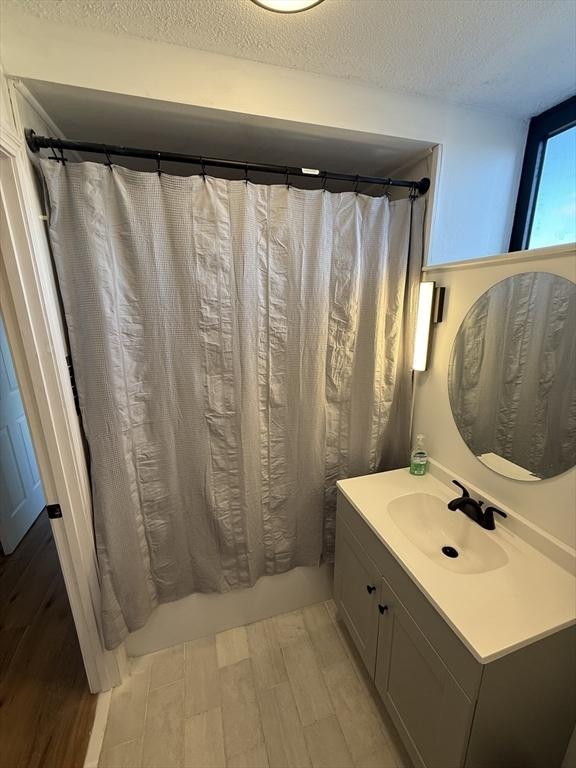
(237, 349)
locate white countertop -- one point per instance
(493, 612)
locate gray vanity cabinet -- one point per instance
(450, 710)
(429, 709)
(359, 595)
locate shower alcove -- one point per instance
(85, 115)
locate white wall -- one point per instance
(6, 117)
(549, 504)
(482, 152)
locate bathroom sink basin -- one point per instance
(448, 538)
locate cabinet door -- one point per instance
(357, 591)
(430, 710)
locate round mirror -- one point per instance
(512, 377)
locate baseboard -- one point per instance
(98, 729)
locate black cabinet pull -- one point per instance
(370, 589)
(382, 608)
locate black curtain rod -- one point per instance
(36, 143)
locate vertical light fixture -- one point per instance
(430, 308)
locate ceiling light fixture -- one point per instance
(287, 6)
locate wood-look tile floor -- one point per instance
(46, 708)
(286, 692)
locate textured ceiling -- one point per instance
(514, 56)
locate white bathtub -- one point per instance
(198, 615)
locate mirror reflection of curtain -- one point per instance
(512, 384)
(237, 348)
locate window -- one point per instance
(546, 206)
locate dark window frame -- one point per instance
(542, 127)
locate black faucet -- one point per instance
(473, 509)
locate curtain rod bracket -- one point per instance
(30, 136)
(423, 185)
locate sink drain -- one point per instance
(449, 551)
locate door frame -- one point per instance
(31, 312)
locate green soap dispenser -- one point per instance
(419, 457)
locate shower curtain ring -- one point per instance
(203, 165)
(356, 185)
(324, 180)
(54, 153)
(108, 158)
(246, 174)
(158, 170)
(287, 178)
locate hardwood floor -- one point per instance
(46, 708)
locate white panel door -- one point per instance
(21, 494)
